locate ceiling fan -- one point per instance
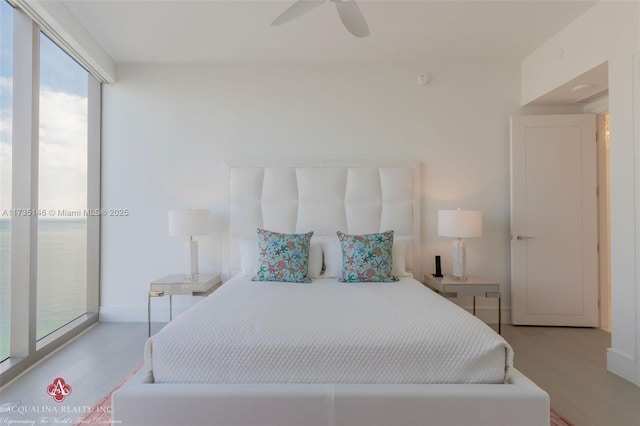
(349, 12)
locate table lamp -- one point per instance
(187, 223)
(459, 224)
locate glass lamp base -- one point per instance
(191, 258)
(459, 259)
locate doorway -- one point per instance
(600, 107)
(604, 222)
(554, 220)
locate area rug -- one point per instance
(559, 420)
(100, 414)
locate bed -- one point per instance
(327, 352)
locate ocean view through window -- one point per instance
(62, 189)
(50, 121)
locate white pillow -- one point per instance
(333, 256)
(398, 253)
(250, 257)
(315, 259)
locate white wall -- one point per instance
(169, 129)
(608, 32)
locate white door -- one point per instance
(554, 228)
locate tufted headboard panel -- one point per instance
(325, 197)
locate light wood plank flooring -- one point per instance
(92, 364)
(569, 363)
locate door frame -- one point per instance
(600, 107)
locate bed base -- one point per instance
(519, 402)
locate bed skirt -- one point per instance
(519, 401)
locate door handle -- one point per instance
(521, 237)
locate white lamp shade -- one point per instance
(460, 223)
(189, 222)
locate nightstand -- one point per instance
(204, 285)
(472, 286)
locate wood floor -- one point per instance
(92, 364)
(569, 363)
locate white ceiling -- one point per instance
(184, 31)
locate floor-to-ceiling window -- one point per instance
(49, 242)
(62, 189)
(6, 105)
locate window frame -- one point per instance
(25, 350)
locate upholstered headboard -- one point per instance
(324, 197)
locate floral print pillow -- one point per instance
(283, 257)
(367, 258)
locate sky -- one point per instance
(63, 123)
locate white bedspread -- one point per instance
(326, 332)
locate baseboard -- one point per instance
(139, 313)
(623, 366)
(490, 315)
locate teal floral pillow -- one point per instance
(283, 257)
(367, 258)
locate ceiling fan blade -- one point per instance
(352, 18)
(299, 8)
